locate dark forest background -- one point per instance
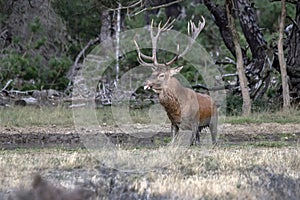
(43, 42)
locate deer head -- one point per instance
(160, 78)
(162, 73)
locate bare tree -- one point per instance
(118, 30)
(240, 63)
(282, 63)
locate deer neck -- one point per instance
(168, 98)
(173, 86)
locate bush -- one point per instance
(29, 72)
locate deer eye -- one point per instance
(161, 76)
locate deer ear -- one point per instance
(175, 70)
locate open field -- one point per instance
(257, 157)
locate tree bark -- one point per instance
(219, 13)
(118, 30)
(293, 57)
(284, 78)
(246, 109)
(107, 29)
(255, 69)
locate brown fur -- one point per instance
(171, 105)
(207, 115)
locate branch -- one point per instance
(288, 1)
(215, 88)
(30, 4)
(6, 85)
(3, 32)
(294, 22)
(81, 53)
(127, 7)
(156, 7)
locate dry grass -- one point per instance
(232, 172)
(17, 166)
(221, 172)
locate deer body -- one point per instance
(207, 116)
(186, 109)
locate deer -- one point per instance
(186, 109)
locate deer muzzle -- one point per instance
(148, 85)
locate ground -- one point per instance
(251, 161)
(53, 136)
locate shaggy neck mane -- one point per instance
(170, 102)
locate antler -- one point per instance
(193, 32)
(154, 38)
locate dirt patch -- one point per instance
(53, 136)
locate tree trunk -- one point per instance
(284, 78)
(293, 57)
(219, 13)
(118, 27)
(106, 25)
(255, 69)
(240, 64)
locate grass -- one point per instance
(293, 116)
(32, 116)
(199, 173)
(271, 144)
(60, 116)
(260, 170)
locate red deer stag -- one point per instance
(186, 109)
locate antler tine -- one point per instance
(175, 58)
(141, 56)
(168, 25)
(196, 31)
(140, 53)
(193, 32)
(161, 28)
(151, 28)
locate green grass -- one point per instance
(60, 116)
(293, 116)
(31, 116)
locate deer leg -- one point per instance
(213, 128)
(194, 134)
(198, 135)
(174, 131)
